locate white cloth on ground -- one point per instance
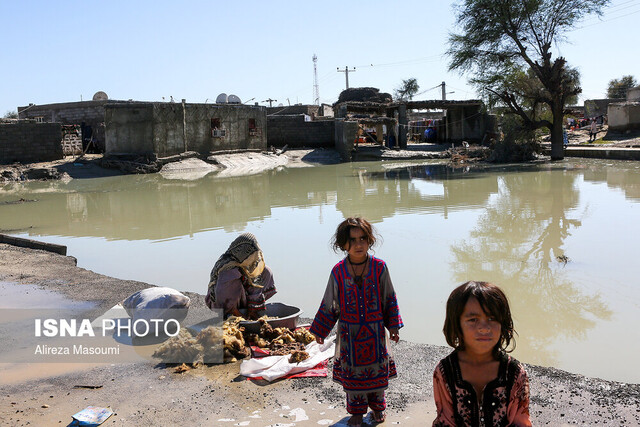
(273, 367)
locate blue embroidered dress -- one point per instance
(361, 361)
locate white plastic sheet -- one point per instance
(273, 367)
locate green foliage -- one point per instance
(618, 88)
(11, 115)
(506, 45)
(407, 89)
(518, 143)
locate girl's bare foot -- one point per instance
(379, 416)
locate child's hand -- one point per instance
(319, 340)
(394, 335)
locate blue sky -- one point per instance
(64, 51)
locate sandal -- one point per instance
(355, 420)
(379, 416)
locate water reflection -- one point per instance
(154, 208)
(441, 226)
(397, 189)
(516, 244)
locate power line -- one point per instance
(405, 62)
(611, 11)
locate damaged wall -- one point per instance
(345, 135)
(71, 113)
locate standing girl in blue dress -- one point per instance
(360, 297)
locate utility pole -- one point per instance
(316, 90)
(444, 91)
(346, 73)
(270, 101)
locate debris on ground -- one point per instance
(234, 342)
(91, 416)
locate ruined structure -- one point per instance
(461, 121)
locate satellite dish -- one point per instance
(222, 98)
(100, 96)
(280, 105)
(233, 99)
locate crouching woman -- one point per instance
(241, 280)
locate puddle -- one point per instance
(13, 295)
(17, 296)
(13, 373)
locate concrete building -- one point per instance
(598, 107)
(166, 129)
(625, 116)
(89, 115)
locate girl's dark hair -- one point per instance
(341, 238)
(494, 303)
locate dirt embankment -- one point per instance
(181, 167)
(150, 394)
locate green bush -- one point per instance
(517, 144)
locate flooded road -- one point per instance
(514, 226)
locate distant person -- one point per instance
(430, 134)
(360, 297)
(593, 130)
(478, 383)
(240, 279)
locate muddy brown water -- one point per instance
(440, 226)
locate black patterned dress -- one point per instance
(504, 402)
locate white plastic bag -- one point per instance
(157, 303)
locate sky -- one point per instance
(66, 51)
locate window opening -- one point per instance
(253, 129)
(216, 128)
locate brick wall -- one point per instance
(296, 133)
(26, 142)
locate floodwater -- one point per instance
(440, 227)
